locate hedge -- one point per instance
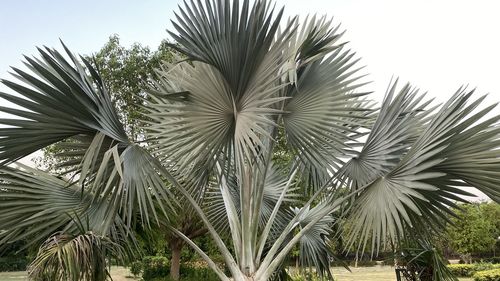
(462, 270)
(488, 275)
(155, 267)
(13, 264)
(468, 270)
(484, 260)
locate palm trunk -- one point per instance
(175, 264)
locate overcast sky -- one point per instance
(436, 45)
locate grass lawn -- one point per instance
(118, 274)
(376, 273)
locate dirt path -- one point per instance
(119, 273)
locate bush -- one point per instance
(155, 267)
(494, 260)
(189, 272)
(488, 275)
(462, 270)
(136, 268)
(158, 269)
(305, 276)
(13, 264)
(351, 263)
(468, 270)
(485, 266)
(364, 263)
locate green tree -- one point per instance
(126, 73)
(210, 131)
(475, 229)
(491, 212)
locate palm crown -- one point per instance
(210, 133)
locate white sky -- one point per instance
(436, 45)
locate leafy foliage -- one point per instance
(462, 270)
(473, 230)
(154, 267)
(126, 72)
(468, 270)
(136, 268)
(487, 275)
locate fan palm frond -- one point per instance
(416, 192)
(399, 123)
(65, 100)
(36, 204)
(58, 100)
(323, 114)
(235, 41)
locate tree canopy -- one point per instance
(475, 229)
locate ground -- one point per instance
(118, 274)
(377, 273)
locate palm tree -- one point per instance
(215, 118)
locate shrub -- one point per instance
(190, 272)
(158, 269)
(495, 260)
(305, 276)
(485, 266)
(468, 270)
(462, 270)
(136, 268)
(155, 267)
(488, 275)
(351, 263)
(13, 264)
(364, 263)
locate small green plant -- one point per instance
(305, 276)
(136, 268)
(189, 272)
(488, 275)
(155, 267)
